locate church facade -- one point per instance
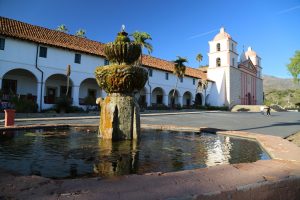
(237, 79)
(33, 62)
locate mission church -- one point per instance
(33, 62)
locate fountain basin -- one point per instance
(78, 152)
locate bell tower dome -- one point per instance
(222, 50)
(255, 59)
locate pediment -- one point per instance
(248, 65)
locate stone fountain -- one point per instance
(120, 118)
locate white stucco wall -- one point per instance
(235, 87)
(158, 79)
(22, 54)
(259, 91)
(217, 90)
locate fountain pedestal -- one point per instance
(120, 118)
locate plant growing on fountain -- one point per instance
(119, 110)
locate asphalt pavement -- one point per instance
(280, 124)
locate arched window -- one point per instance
(218, 47)
(218, 62)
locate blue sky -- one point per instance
(177, 27)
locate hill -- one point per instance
(272, 82)
(281, 91)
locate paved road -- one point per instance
(279, 124)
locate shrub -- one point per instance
(158, 107)
(75, 109)
(243, 110)
(23, 105)
(90, 103)
(63, 104)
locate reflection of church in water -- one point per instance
(237, 80)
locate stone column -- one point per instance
(148, 99)
(166, 100)
(180, 100)
(120, 117)
(75, 95)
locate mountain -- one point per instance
(281, 91)
(272, 82)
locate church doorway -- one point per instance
(249, 98)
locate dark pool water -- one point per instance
(74, 152)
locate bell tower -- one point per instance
(222, 51)
(223, 62)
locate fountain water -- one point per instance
(120, 118)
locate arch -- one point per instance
(55, 87)
(21, 82)
(198, 99)
(218, 47)
(218, 62)
(157, 95)
(173, 101)
(187, 99)
(88, 91)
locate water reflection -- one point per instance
(71, 153)
(116, 158)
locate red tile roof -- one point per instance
(41, 35)
(161, 64)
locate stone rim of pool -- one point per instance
(258, 179)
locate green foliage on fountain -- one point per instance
(121, 78)
(122, 50)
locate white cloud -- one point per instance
(202, 34)
(288, 10)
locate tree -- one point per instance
(68, 73)
(140, 38)
(179, 71)
(294, 67)
(62, 28)
(199, 58)
(81, 33)
(202, 85)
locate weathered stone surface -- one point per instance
(120, 118)
(121, 78)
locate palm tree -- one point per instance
(179, 71)
(62, 28)
(203, 84)
(140, 38)
(81, 33)
(68, 73)
(199, 58)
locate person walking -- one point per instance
(268, 111)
